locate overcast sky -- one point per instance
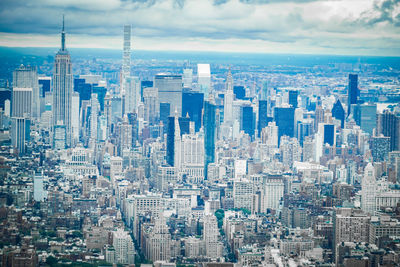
(357, 27)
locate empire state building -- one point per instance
(62, 95)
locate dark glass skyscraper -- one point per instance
(209, 133)
(239, 92)
(352, 91)
(184, 125)
(164, 112)
(247, 120)
(170, 140)
(263, 118)
(329, 134)
(192, 104)
(338, 112)
(84, 89)
(284, 118)
(293, 94)
(388, 124)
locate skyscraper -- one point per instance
(293, 94)
(192, 104)
(365, 117)
(169, 89)
(380, 147)
(368, 189)
(204, 78)
(209, 133)
(62, 89)
(352, 92)
(26, 77)
(284, 118)
(228, 99)
(338, 112)
(247, 120)
(263, 118)
(132, 94)
(126, 58)
(388, 124)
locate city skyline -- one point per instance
(298, 27)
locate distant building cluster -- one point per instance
(196, 168)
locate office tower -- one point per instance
(132, 94)
(169, 88)
(210, 237)
(192, 104)
(365, 116)
(75, 117)
(94, 114)
(388, 124)
(44, 85)
(60, 136)
(62, 89)
(338, 112)
(273, 190)
(84, 89)
(165, 111)
(108, 113)
(158, 245)
(20, 133)
(247, 120)
(187, 78)
(21, 102)
(210, 133)
(284, 118)
(20, 121)
(135, 123)
(173, 142)
(228, 99)
(204, 78)
(293, 95)
(184, 125)
(126, 58)
(353, 92)
(290, 150)
(380, 148)
(101, 92)
(328, 133)
(123, 245)
(39, 194)
(264, 91)
(5, 94)
(319, 117)
(308, 149)
(304, 129)
(125, 135)
(263, 118)
(150, 105)
(239, 92)
(26, 77)
(269, 134)
(368, 190)
(144, 85)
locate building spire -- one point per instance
(63, 36)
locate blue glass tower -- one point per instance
(209, 133)
(284, 118)
(247, 120)
(192, 104)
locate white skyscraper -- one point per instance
(26, 77)
(228, 100)
(94, 114)
(62, 89)
(126, 58)
(39, 193)
(368, 189)
(272, 193)
(132, 94)
(204, 79)
(21, 114)
(123, 245)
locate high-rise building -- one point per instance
(26, 77)
(126, 57)
(228, 100)
(165, 111)
(263, 118)
(210, 132)
(210, 237)
(187, 78)
(62, 89)
(353, 92)
(338, 112)
(204, 78)
(21, 102)
(272, 193)
(388, 124)
(123, 245)
(132, 94)
(365, 116)
(169, 88)
(239, 91)
(75, 117)
(39, 194)
(94, 114)
(284, 118)
(293, 95)
(173, 138)
(21, 114)
(247, 120)
(368, 190)
(192, 104)
(380, 148)
(20, 133)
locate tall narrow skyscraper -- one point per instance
(62, 89)
(26, 77)
(126, 58)
(228, 100)
(352, 91)
(209, 133)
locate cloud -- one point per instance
(326, 25)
